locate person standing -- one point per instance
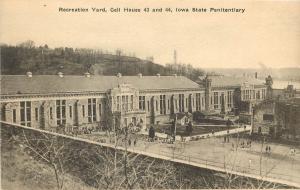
(151, 133)
(135, 141)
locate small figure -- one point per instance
(129, 142)
(134, 142)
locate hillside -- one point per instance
(19, 170)
(16, 60)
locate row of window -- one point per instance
(179, 104)
(218, 100)
(124, 103)
(25, 112)
(250, 94)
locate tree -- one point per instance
(27, 44)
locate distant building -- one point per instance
(288, 92)
(278, 117)
(225, 94)
(287, 118)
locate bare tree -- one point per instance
(49, 149)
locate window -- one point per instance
(51, 114)
(100, 109)
(125, 103)
(83, 111)
(229, 99)
(203, 101)
(142, 102)
(118, 103)
(162, 99)
(36, 114)
(14, 116)
(186, 102)
(61, 112)
(258, 95)
(268, 117)
(198, 101)
(70, 111)
(156, 105)
(91, 110)
(216, 100)
(131, 102)
(148, 105)
(25, 113)
(263, 94)
(181, 102)
(168, 104)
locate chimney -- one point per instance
(60, 74)
(87, 74)
(140, 75)
(158, 75)
(119, 75)
(29, 74)
(256, 75)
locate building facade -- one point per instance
(49, 102)
(57, 101)
(225, 94)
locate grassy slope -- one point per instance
(20, 171)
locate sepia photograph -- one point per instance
(173, 94)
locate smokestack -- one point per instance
(256, 75)
(175, 57)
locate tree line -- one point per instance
(26, 56)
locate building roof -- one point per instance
(44, 84)
(230, 81)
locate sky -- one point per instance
(267, 33)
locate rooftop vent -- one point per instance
(87, 74)
(119, 75)
(60, 74)
(158, 75)
(29, 74)
(140, 75)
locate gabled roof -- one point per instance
(44, 84)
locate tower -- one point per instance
(175, 57)
(269, 83)
(207, 84)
